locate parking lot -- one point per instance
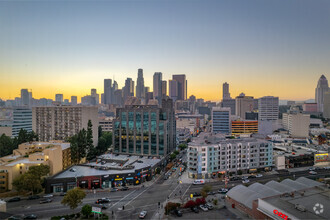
(211, 214)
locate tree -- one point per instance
(73, 198)
(86, 210)
(31, 180)
(189, 204)
(205, 190)
(91, 152)
(182, 146)
(99, 130)
(172, 156)
(78, 146)
(6, 145)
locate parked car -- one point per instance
(124, 188)
(62, 193)
(311, 169)
(45, 201)
(15, 199)
(202, 207)
(252, 176)
(209, 206)
(246, 181)
(312, 172)
(234, 178)
(195, 209)
(259, 175)
(245, 177)
(48, 196)
(143, 214)
(211, 193)
(33, 197)
(178, 212)
(114, 189)
(31, 216)
(223, 191)
(165, 177)
(195, 194)
(15, 217)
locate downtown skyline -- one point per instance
(258, 48)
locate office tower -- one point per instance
(22, 119)
(322, 87)
(119, 98)
(30, 98)
(102, 98)
(229, 103)
(128, 88)
(182, 86)
(115, 85)
(326, 105)
(157, 86)
(225, 91)
(59, 98)
(296, 123)
(88, 100)
(62, 122)
(145, 129)
(268, 108)
(25, 100)
(140, 85)
(164, 88)
(66, 101)
(95, 96)
(221, 122)
(107, 91)
(74, 100)
(149, 96)
(243, 104)
(173, 89)
(146, 89)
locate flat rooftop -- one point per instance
(109, 164)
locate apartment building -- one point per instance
(209, 154)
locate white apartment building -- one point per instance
(61, 122)
(297, 124)
(211, 154)
(268, 108)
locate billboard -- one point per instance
(321, 157)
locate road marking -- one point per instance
(122, 199)
(186, 190)
(137, 196)
(173, 190)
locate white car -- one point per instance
(244, 177)
(312, 172)
(311, 169)
(246, 181)
(259, 175)
(48, 196)
(202, 207)
(223, 190)
(143, 214)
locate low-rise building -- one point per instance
(209, 154)
(244, 127)
(55, 154)
(183, 135)
(106, 123)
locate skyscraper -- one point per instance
(268, 108)
(221, 122)
(243, 104)
(59, 98)
(74, 100)
(128, 88)
(157, 84)
(95, 96)
(164, 88)
(322, 87)
(25, 101)
(140, 85)
(182, 86)
(173, 89)
(326, 105)
(107, 91)
(225, 91)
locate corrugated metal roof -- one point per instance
(264, 190)
(279, 187)
(293, 184)
(308, 182)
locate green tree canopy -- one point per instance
(86, 210)
(74, 197)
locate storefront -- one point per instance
(57, 187)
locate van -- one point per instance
(200, 181)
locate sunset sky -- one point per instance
(278, 48)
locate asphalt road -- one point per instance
(137, 199)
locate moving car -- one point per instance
(200, 181)
(223, 190)
(259, 175)
(48, 196)
(312, 172)
(124, 188)
(246, 181)
(252, 176)
(46, 201)
(195, 194)
(113, 190)
(211, 193)
(62, 193)
(234, 178)
(143, 214)
(103, 200)
(15, 199)
(311, 169)
(202, 207)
